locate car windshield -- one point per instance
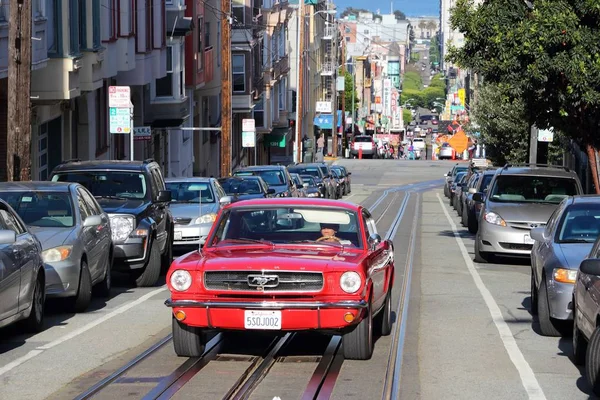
(108, 184)
(339, 172)
(288, 225)
(306, 171)
(459, 177)
(272, 176)
(532, 189)
(241, 186)
(580, 224)
(309, 179)
(191, 192)
(42, 209)
(297, 180)
(362, 139)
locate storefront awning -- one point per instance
(276, 138)
(325, 121)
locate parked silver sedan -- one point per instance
(75, 235)
(558, 250)
(194, 205)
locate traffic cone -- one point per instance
(360, 153)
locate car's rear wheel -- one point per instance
(548, 325)
(103, 288)
(534, 298)
(188, 341)
(35, 322)
(579, 342)
(358, 344)
(152, 270)
(592, 362)
(82, 300)
(464, 218)
(383, 320)
(472, 223)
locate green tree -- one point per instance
(406, 116)
(399, 15)
(348, 90)
(547, 55)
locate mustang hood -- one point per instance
(121, 206)
(574, 253)
(51, 237)
(305, 259)
(523, 212)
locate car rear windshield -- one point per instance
(109, 184)
(486, 182)
(532, 189)
(191, 192)
(287, 225)
(580, 224)
(42, 209)
(362, 139)
(313, 171)
(309, 179)
(459, 169)
(244, 186)
(271, 176)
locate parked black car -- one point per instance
(321, 175)
(134, 195)
(246, 187)
(345, 174)
(312, 190)
(277, 176)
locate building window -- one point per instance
(150, 25)
(258, 113)
(347, 29)
(182, 70)
(366, 31)
(164, 86)
(218, 41)
(347, 38)
(83, 25)
(281, 94)
(207, 35)
(101, 117)
(238, 10)
(74, 27)
(96, 23)
(200, 43)
(238, 62)
(53, 27)
(281, 45)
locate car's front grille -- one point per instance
(189, 239)
(527, 226)
(516, 246)
(182, 221)
(264, 281)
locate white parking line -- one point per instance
(528, 379)
(39, 350)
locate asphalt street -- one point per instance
(469, 333)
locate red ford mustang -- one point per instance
(286, 264)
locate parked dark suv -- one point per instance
(134, 195)
(322, 176)
(276, 176)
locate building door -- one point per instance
(49, 147)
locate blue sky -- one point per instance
(411, 8)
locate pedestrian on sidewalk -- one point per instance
(321, 146)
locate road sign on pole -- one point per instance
(121, 112)
(119, 96)
(119, 120)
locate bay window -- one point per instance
(164, 86)
(238, 63)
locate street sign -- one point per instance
(248, 139)
(142, 133)
(119, 96)
(119, 120)
(323, 107)
(248, 125)
(545, 135)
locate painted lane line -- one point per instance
(39, 350)
(528, 379)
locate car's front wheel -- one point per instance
(151, 272)
(82, 300)
(188, 341)
(167, 257)
(358, 344)
(592, 362)
(548, 325)
(579, 342)
(35, 322)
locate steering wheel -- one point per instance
(328, 237)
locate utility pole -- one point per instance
(18, 136)
(343, 100)
(334, 128)
(299, 85)
(226, 90)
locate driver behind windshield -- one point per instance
(328, 232)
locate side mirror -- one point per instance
(591, 266)
(374, 241)
(225, 200)
(164, 196)
(270, 191)
(8, 237)
(472, 190)
(478, 197)
(537, 234)
(305, 185)
(92, 220)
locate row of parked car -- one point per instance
(64, 237)
(540, 212)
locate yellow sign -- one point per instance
(462, 96)
(459, 141)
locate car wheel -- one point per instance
(383, 320)
(152, 270)
(534, 298)
(82, 300)
(548, 325)
(103, 288)
(471, 223)
(188, 341)
(446, 191)
(464, 219)
(35, 322)
(167, 257)
(592, 362)
(579, 342)
(480, 257)
(358, 344)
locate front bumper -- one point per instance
(131, 254)
(560, 296)
(295, 315)
(190, 235)
(62, 278)
(504, 240)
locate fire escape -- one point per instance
(329, 64)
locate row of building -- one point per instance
(169, 52)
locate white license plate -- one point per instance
(528, 240)
(262, 320)
(178, 235)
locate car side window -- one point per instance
(11, 222)
(220, 192)
(90, 202)
(553, 219)
(154, 183)
(83, 208)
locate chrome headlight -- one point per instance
(313, 195)
(282, 194)
(181, 280)
(56, 254)
(494, 219)
(350, 282)
(564, 275)
(206, 219)
(121, 226)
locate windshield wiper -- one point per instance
(244, 240)
(336, 244)
(112, 197)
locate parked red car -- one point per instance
(286, 264)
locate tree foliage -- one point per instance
(348, 90)
(355, 11)
(399, 15)
(414, 92)
(548, 58)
